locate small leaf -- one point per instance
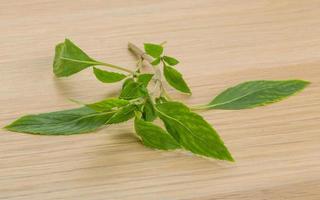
(133, 90)
(156, 61)
(126, 82)
(175, 79)
(123, 114)
(170, 60)
(108, 77)
(153, 50)
(154, 136)
(256, 93)
(70, 59)
(108, 104)
(149, 112)
(64, 122)
(145, 79)
(191, 131)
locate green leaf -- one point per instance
(170, 60)
(145, 79)
(67, 122)
(175, 79)
(156, 61)
(126, 82)
(70, 59)
(108, 77)
(149, 112)
(191, 131)
(123, 114)
(154, 136)
(133, 90)
(154, 50)
(108, 104)
(256, 93)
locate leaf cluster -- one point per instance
(159, 122)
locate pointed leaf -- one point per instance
(65, 122)
(156, 61)
(256, 93)
(108, 77)
(175, 79)
(149, 112)
(192, 131)
(145, 79)
(133, 90)
(154, 136)
(126, 82)
(123, 114)
(70, 59)
(170, 60)
(153, 50)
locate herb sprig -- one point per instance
(144, 97)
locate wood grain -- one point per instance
(220, 43)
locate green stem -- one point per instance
(116, 67)
(199, 107)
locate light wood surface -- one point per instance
(219, 42)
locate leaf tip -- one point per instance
(226, 155)
(6, 127)
(9, 127)
(67, 40)
(187, 91)
(305, 82)
(230, 158)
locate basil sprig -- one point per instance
(178, 126)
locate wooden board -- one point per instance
(220, 43)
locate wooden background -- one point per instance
(219, 42)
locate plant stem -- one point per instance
(116, 67)
(139, 53)
(139, 64)
(142, 55)
(200, 107)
